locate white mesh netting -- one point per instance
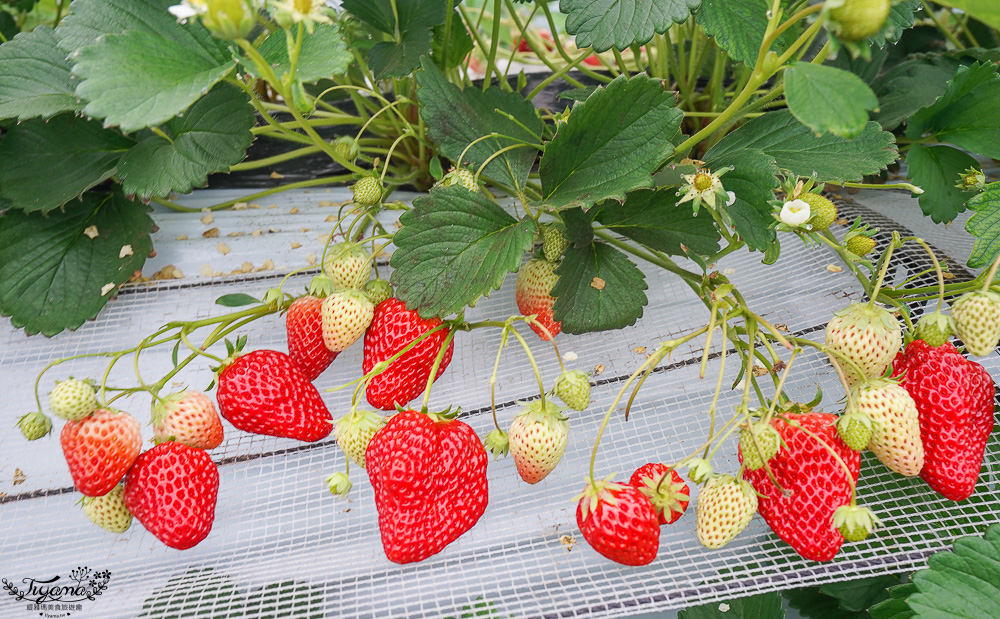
(282, 545)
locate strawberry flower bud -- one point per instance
(339, 484)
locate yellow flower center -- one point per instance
(702, 181)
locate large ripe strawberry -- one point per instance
(428, 473)
(895, 437)
(304, 328)
(724, 508)
(172, 491)
(537, 439)
(619, 522)
(868, 336)
(670, 497)
(265, 392)
(954, 399)
(99, 449)
(816, 481)
(346, 316)
(189, 418)
(976, 316)
(533, 292)
(392, 329)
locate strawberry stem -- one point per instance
(780, 386)
(534, 366)
(718, 384)
(886, 258)
(437, 364)
(551, 340)
(989, 276)
(493, 377)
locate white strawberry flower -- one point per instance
(794, 212)
(188, 9)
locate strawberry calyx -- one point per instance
(596, 492)
(233, 350)
(497, 443)
(321, 286)
(855, 429)
(699, 470)
(538, 412)
(855, 522)
(339, 484)
(934, 328)
(667, 496)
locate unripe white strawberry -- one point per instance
(346, 316)
(573, 388)
(72, 399)
(109, 511)
(348, 266)
(895, 438)
(189, 418)
(355, 430)
(538, 438)
(976, 316)
(461, 177)
(724, 508)
(768, 440)
(868, 336)
(34, 425)
(367, 191)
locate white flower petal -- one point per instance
(182, 11)
(795, 212)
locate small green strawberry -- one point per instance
(854, 522)
(355, 430)
(976, 316)
(368, 191)
(346, 316)
(934, 328)
(462, 177)
(378, 290)
(72, 399)
(573, 388)
(109, 511)
(346, 147)
(724, 508)
(768, 440)
(34, 425)
(348, 266)
(853, 20)
(860, 245)
(497, 443)
(554, 242)
(339, 484)
(822, 211)
(538, 438)
(855, 429)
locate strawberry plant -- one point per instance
(700, 129)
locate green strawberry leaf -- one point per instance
(965, 115)
(603, 24)
(455, 246)
(137, 80)
(324, 54)
(236, 300)
(579, 225)
(901, 16)
(752, 180)
(936, 169)
(34, 77)
(71, 154)
(599, 289)
(827, 99)
(895, 607)
(213, 135)
(456, 118)
(654, 219)
(408, 22)
(795, 148)
(738, 27)
(963, 582)
(610, 145)
(867, 69)
(761, 606)
(985, 11)
(985, 226)
(857, 595)
(812, 603)
(459, 43)
(58, 270)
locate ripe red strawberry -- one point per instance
(817, 482)
(265, 392)
(394, 327)
(533, 292)
(537, 439)
(304, 328)
(172, 491)
(99, 449)
(429, 477)
(189, 418)
(954, 400)
(869, 336)
(619, 522)
(670, 497)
